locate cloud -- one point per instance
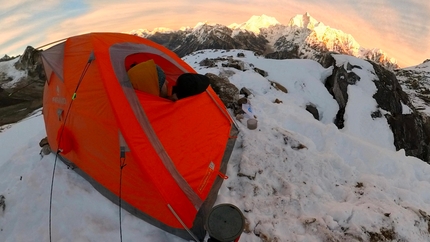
(19, 36)
(23, 22)
(407, 21)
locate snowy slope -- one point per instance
(295, 178)
(13, 74)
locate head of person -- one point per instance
(189, 84)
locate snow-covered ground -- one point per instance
(294, 178)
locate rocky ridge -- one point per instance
(21, 86)
(410, 126)
(303, 37)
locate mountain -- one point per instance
(21, 85)
(297, 177)
(302, 38)
(255, 24)
(340, 153)
(205, 36)
(415, 82)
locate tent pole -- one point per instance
(57, 41)
(182, 223)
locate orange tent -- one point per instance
(170, 156)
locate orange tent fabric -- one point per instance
(173, 151)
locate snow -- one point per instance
(305, 21)
(255, 23)
(425, 67)
(294, 178)
(331, 37)
(145, 32)
(14, 74)
(361, 103)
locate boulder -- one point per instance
(261, 72)
(227, 92)
(313, 110)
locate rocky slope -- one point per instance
(415, 82)
(21, 86)
(410, 126)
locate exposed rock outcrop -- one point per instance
(313, 110)
(227, 92)
(411, 130)
(17, 101)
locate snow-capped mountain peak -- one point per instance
(305, 21)
(199, 25)
(255, 23)
(146, 32)
(303, 37)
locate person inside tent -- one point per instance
(189, 84)
(148, 77)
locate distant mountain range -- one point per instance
(302, 38)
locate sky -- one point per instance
(400, 28)
(294, 178)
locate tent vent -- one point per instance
(92, 57)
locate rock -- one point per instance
(277, 101)
(208, 62)
(227, 92)
(17, 101)
(237, 64)
(239, 117)
(6, 58)
(245, 92)
(261, 72)
(46, 149)
(278, 86)
(313, 110)
(242, 101)
(43, 142)
(411, 131)
(2, 202)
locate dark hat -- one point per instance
(189, 84)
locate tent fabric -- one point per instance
(174, 151)
(55, 55)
